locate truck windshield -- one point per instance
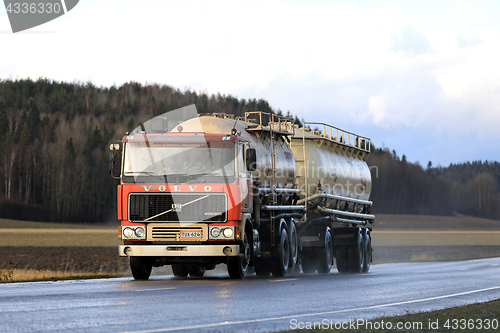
(189, 160)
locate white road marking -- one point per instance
(494, 264)
(463, 269)
(64, 6)
(283, 280)
(156, 289)
(239, 322)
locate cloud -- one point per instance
(410, 41)
(385, 65)
(464, 41)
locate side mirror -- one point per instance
(251, 159)
(115, 160)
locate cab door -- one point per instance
(245, 178)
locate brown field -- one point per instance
(26, 263)
(18, 224)
(59, 237)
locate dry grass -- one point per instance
(59, 237)
(434, 237)
(425, 222)
(23, 275)
(18, 224)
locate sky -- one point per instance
(418, 77)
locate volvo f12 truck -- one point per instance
(256, 193)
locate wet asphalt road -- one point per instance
(217, 304)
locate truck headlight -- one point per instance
(134, 232)
(139, 232)
(228, 232)
(127, 232)
(215, 232)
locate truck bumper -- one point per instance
(178, 250)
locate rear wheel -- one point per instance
(325, 254)
(262, 267)
(294, 246)
(307, 259)
(196, 270)
(281, 254)
(342, 258)
(367, 250)
(237, 267)
(357, 255)
(140, 267)
(180, 270)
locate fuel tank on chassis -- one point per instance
(284, 164)
(331, 167)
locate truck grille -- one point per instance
(167, 207)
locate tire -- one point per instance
(180, 270)
(342, 259)
(281, 254)
(237, 267)
(356, 255)
(262, 267)
(294, 246)
(141, 268)
(367, 250)
(325, 255)
(308, 260)
(196, 270)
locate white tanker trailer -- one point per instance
(248, 192)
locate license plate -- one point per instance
(191, 234)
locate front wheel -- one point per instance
(237, 267)
(141, 267)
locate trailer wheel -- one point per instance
(262, 267)
(342, 259)
(356, 255)
(196, 270)
(307, 260)
(180, 270)
(294, 246)
(237, 267)
(140, 267)
(281, 255)
(367, 250)
(325, 254)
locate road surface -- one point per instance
(217, 304)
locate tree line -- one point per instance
(400, 187)
(54, 158)
(54, 138)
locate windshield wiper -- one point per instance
(193, 175)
